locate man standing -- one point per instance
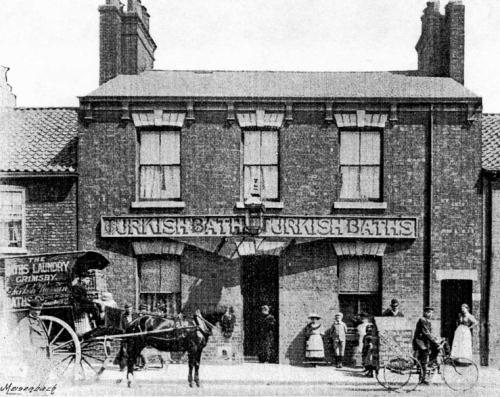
(339, 331)
(34, 343)
(126, 317)
(425, 344)
(267, 324)
(393, 311)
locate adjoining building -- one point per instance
(369, 181)
(38, 179)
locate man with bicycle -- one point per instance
(424, 343)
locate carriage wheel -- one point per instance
(64, 348)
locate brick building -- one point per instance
(38, 180)
(370, 184)
(491, 191)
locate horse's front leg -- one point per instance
(197, 368)
(191, 364)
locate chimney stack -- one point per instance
(441, 45)
(125, 45)
(7, 98)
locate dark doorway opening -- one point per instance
(453, 294)
(259, 286)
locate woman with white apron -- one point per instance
(462, 340)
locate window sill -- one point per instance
(13, 250)
(272, 205)
(362, 205)
(158, 204)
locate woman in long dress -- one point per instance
(462, 340)
(315, 351)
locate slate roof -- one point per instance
(38, 139)
(491, 142)
(265, 84)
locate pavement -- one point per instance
(266, 379)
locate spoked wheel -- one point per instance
(94, 357)
(399, 372)
(459, 374)
(64, 349)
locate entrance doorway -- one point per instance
(453, 294)
(259, 286)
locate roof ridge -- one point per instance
(265, 71)
(45, 108)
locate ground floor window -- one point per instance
(160, 284)
(352, 305)
(359, 287)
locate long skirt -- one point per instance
(314, 347)
(462, 343)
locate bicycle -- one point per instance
(458, 373)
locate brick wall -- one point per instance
(309, 184)
(50, 213)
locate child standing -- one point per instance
(368, 353)
(339, 331)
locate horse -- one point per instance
(180, 335)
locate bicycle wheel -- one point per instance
(459, 374)
(397, 372)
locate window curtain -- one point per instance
(260, 159)
(160, 165)
(11, 218)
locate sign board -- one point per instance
(273, 226)
(48, 277)
(45, 276)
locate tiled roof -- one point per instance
(262, 84)
(491, 142)
(38, 139)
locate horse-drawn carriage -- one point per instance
(79, 355)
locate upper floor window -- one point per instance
(360, 165)
(260, 163)
(12, 204)
(160, 165)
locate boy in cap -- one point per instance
(393, 311)
(424, 342)
(315, 350)
(126, 317)
(339, 331)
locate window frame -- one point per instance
(360, 259)
(23, 248)
(141, 293)
(243, 164)
(380, 166)
(141, 200)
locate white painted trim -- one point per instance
(158, 204)
(365, 205)
(22, 249)
(273, 205)
(456, 274)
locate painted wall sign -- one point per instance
(274, 226)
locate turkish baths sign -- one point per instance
(273, 226)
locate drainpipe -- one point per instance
(428, 209)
